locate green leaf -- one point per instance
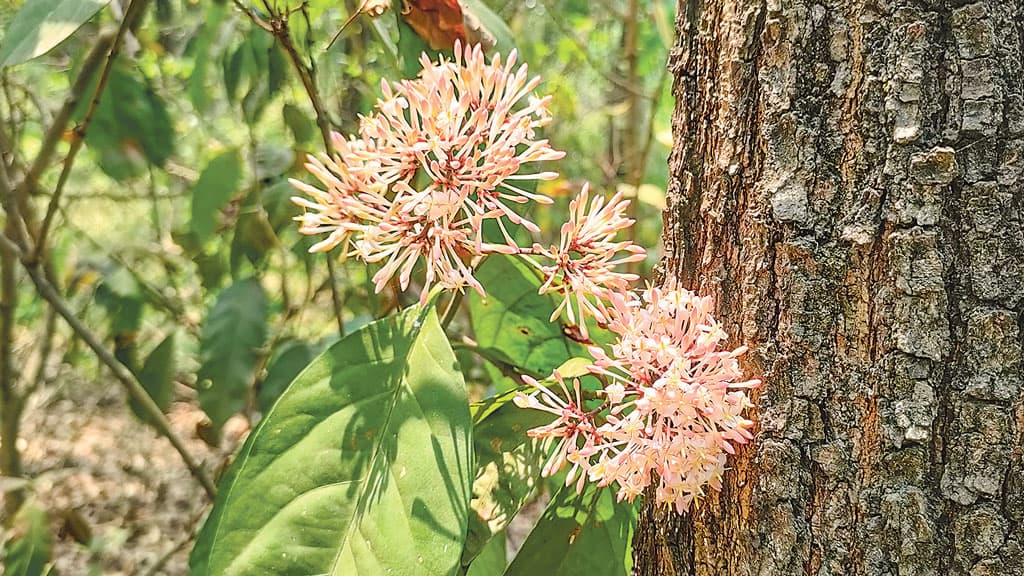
(254, 236)
(132, 126)
(512, 324)
(298, 122)
(157, 376)
(212, 266)
(508, 465)
(273, 161)
(276, 200)
(217, 184)
(29, 548)
(492, 559)
(361, 467)
(232, 335)
(240, 60)
(258, 68)
(197, 89)
(586, 534)
(121, 297)
(285, 364)
(42, 24)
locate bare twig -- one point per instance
(154, 216)
(128, 196)
(134, 11)
(278, 27)
(16, 243)
(514, 372)
(645, 153)
(45, 348)
(14, 229)
(336, 300)
(452, 309)
(8, 245)
(60, 121)
(10, 400)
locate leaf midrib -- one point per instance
(403, 383)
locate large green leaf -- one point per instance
(276, 200)
(42, 24)
(586, 534)
(512, 324)
(301, 126)
(28, 550)
(122, 299)
(232, 335)
(361, 467)
(217, 184)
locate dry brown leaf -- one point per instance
(439, 22)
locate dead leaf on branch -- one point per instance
(441, 22)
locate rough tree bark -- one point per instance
(847, 181)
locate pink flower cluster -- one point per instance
(457, 125)
(583, 262)
(442, 155)
(669, 408)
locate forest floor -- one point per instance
(121, 502)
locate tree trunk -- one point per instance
(847, 182)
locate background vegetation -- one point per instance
(145, 149)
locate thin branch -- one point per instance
(508, 370)
(129, 196)
(18, 247)
(452, 309)
(154, 215)
(645, 152)
(278, 27)
(336, 300)
(10, 400)
(8, 245)
(651, 117)
(14, 229)
(49, 335)
(122, 374)
(630, 140)
(53, 136)
(134, 10)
